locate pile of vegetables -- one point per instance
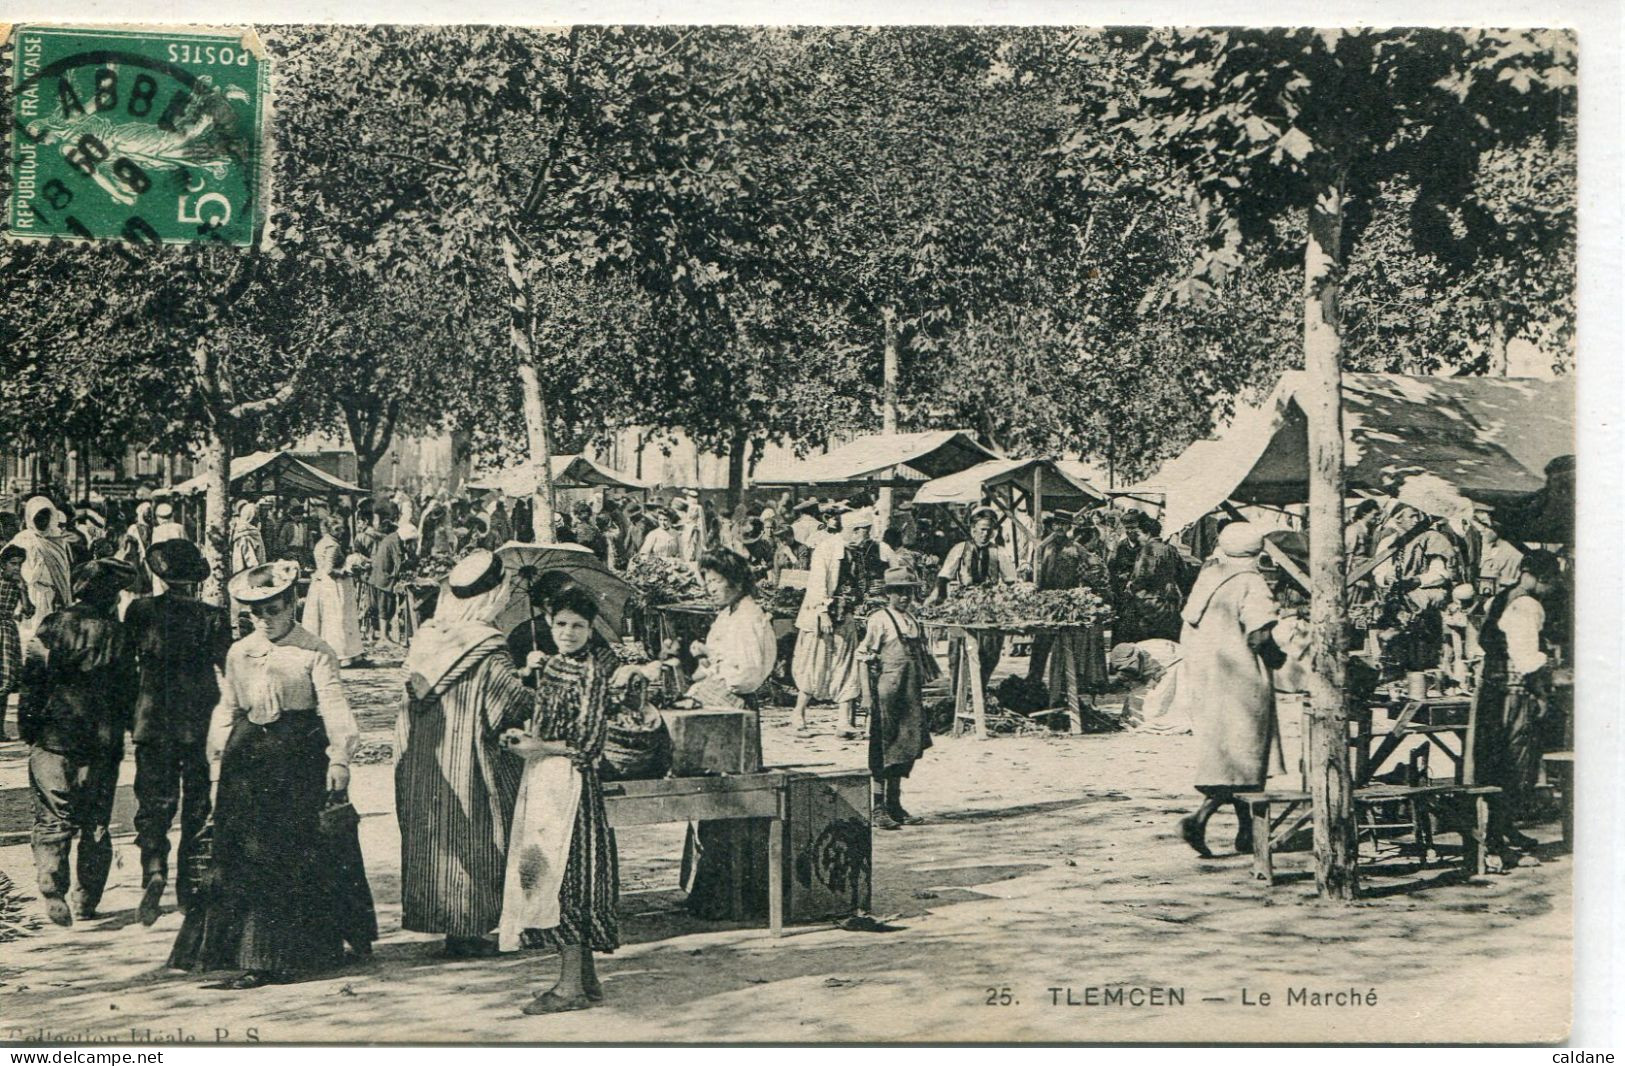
(1018, 605)
(660, 581)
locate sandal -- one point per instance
(251, 979)
(550, 1002)
(1192, 834)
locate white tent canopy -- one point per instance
(1486, 439)
(882, 459)
(279, 473)
(569, 472)
(1059, 479)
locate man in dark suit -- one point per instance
(78, 690)
(388, 562)
(179, 641)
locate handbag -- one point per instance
(338, 815)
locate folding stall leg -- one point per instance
(1481, 834)
(971, 668)
(1263, 862)
(775, 875)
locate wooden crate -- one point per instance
(710, 741)
(828, 859)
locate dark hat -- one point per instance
(581, 507)
(808, 506)
(984, 512)
(479, 572)
(177, 560)
(12, 551)
(102, 579)
(1062, 518)
(264, 582)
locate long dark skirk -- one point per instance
(271, 901)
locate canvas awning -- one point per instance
(882, 459)
(1060, 480)
(1488, 439)
(569, 472)
(272, 473)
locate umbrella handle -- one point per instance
(530, 601)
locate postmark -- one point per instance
(146, 136)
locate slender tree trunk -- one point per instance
(530, 384)
(1499, 364)
(1326, 745)
(888, 402)
(736, 469)
(217, 511)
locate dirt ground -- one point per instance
(1046, 886)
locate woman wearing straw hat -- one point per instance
(280, 743)
(898, 666)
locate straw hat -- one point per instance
(264, 582)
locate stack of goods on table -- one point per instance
(1020, 606)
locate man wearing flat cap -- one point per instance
(78, 692)
(179, 643)
(972, 563)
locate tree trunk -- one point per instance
(736, 470)
(1498, 361)
(888, 404)
(530, 384)
(1326, 743)
(217, 512)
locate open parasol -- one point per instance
(531, 563)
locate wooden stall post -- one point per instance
(1326, 745)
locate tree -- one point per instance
(1268, 123)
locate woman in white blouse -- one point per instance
(279, 749)
(735, 661)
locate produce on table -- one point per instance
(1021, 605)
(660, 581)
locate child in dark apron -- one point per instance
(899, 664)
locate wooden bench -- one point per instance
(1560, 764)
(1262, 809)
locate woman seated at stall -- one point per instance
(734, 662)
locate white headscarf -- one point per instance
(458, 626)
(1239, 545)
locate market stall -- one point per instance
(1067, 614)
(881, 460)
(271, 474)
(1020, 489)
(570, 472)
(1488, 438)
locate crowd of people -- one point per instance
(241, 725)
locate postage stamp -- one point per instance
(150, 136)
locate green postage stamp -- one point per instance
(147, 135)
